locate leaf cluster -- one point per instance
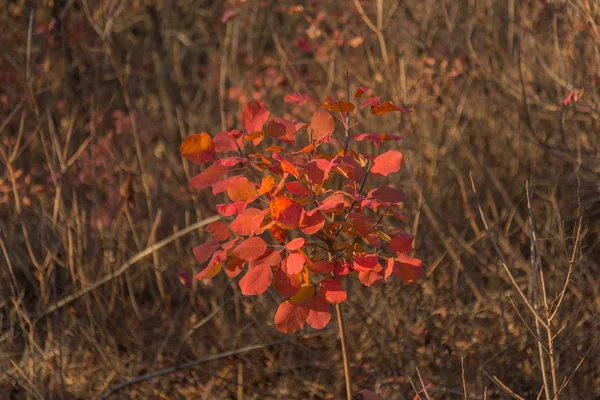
(301, 217)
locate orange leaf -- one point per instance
(198, 148)
(305, 293)
(243, 190)
(322, 125)
(387, 107)
(286, 212)
(267, 184)
(339, 106)
(279, 233)
(209, 272)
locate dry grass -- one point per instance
(95, 96)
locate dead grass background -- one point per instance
(96, 95)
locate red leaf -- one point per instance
(387, 163)
(290, 318)
(286, 212)
(279, 233)
(209, 176)
(219, 230)
(295, 244)
(304, 45)
(311, 224)
(282, 129)
(248, 221)
(234, 267)
(377, 138)
(226, 141)
(287, 285)
(322, 267)
(206, 250)
(271, 258)
(227, 210)
(257, 280)
(333, 291)
(368, 395)
(297, 188)
(254, 116)
(402, 243)
(359, 92)
(406, 268)
(365, 263)
(299, 98)
(295, 263)
(198, 148)
(319, 313)
(250, 249)
(336, 202)
(387, 194)
(387, 107)
(322, 125)
(231, 161)
(372, 101)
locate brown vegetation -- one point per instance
(96, 96)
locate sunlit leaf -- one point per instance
(322, 125)
(257, 280)
(250, 249)
(203, 252)
(387, 163)
(290, 318)
(387, 107)
(299, 98)
(295, 244)
(219, 230)
(319, 313)
(198, 148)
(286, 212)
(305, 293)
(209, 176)
(254, 116)
(248, 221)
(333, 291)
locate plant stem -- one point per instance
(340, 320)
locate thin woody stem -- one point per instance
(342, 330)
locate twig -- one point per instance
(502, 260)
(123, 268)
(503, 386)
(340, 321)
(422, 384)
(191, 364)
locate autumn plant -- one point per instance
(305, 212)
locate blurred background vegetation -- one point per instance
(96, 96)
